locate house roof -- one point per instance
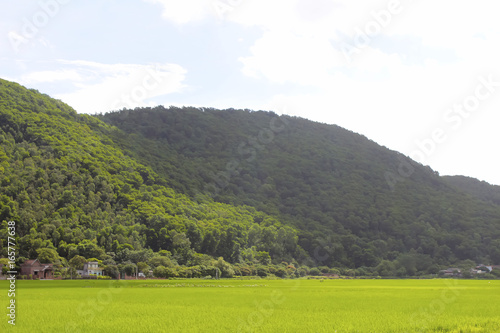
(451, 270)
(32, 262)
(488, 267)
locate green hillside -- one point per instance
(479, 189)
(72, 191)
(178, 188)
(355, 203)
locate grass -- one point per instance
(255, 306)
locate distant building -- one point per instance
(486, 268)
(36, 270)
(477, 271)
(454, 272)
(91, 268)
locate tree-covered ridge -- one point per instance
(356, 202)
(479, 189)
(161, 187)
(72, 191)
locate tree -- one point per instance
(140, 256)
(225, 268)
(112, 271)
(89, 249)
(282, 273)
(129, 269)
(496, 273)
(161, 261)
(262, 270)
(71, 272)
(77, 262)
(160, 272)
(263, 257)
(386, 268)
(181, 245)
(46, 255)
(4, 262)
(466, 265)
(143, 267)
(408, 263)
(164, 272)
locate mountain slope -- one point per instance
(251, 187)
(353, 200)
(70, 188)
(479, 189)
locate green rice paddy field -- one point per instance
(254, 306)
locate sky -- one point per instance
(420, 77)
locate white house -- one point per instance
(91, 268)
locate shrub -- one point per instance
(112, 271)
(159, 272)
(262, 271)
(280, 272)
(245, 271)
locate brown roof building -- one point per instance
(37, 270)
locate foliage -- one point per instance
(46, 255)
(72, 191)
(352, 202)
(178, 187)
(77, 262)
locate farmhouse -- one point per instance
(456, 272)
(485, 268)
(476, 271)
(481, 269)
(36, 270)
(91, 268)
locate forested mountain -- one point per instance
(354, 202)
(71, 190)
(183, 186)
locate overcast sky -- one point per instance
(417, 76)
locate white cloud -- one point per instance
(282, 56)
(51, 76)
(96, 87)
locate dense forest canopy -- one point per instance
(233, 189)
(343, 192)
